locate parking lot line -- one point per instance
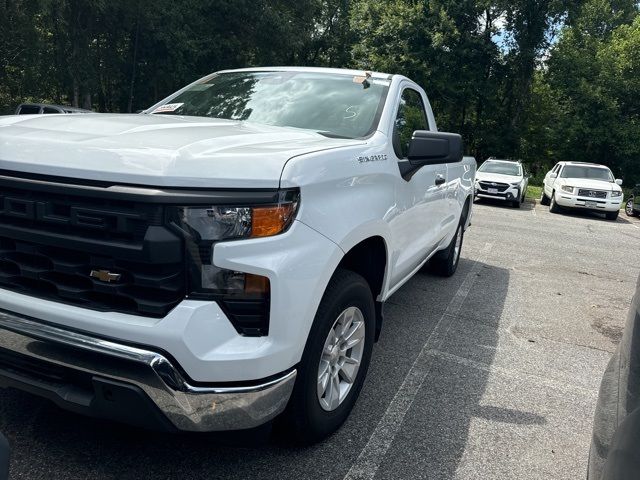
(372, 455)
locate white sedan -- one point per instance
(583, 186)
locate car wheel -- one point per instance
(445, 263)
(612, 215)
(335, 360)
(516, 203)
(628, 209)
(544, 200)
(553, 206)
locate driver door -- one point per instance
(420, 193)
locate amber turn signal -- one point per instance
(256, 284)
(268, 221)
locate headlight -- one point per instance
(567, 188)
(516, 184)
(243, 296)
(616, 194)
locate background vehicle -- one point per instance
(614, 451)
(583, 186)
(223, 249)
(632, 207)
(502, 180)
(40, 108)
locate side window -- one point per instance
(50, 110)
(29, 110)
(556, 168)
(411, 117)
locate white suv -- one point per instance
(582, 185)
(502, 180)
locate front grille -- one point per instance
(50, 242)
(501, 187)
(583, 192)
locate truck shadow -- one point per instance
(527, 205)
(577, 213)
(430, 439)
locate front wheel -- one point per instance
(335, 360)
(445, 263)
(612, 215)
(628, 209)
(544, 200)
(553, 206)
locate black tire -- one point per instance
(628, 209)
(612, 215)
(445, 262)
(516, 203)
(304, 419)
(544, 200)
(553, 206)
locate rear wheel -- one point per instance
(335, 360)
(445, 263)
(544, 200)
(612, 215)
(628, 209)
(553, 206)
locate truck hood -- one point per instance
(590, 184)
(157, 150)
(497, 177)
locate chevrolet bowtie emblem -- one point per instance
(105, 276)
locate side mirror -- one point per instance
(430, 148)
(553, 175)
(619, 181)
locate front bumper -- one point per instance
(568, 200)
(112, 380)
(510, 194)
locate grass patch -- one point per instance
(534, 192)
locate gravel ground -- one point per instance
(490, 374)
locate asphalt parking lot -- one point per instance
(490, 374)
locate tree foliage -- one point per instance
(541, 80)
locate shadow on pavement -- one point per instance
(527, 205)
(437, 430)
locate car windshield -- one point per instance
(333, 104)
(582, 171)
(504, 168)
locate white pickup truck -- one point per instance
(223, 257)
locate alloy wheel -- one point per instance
(340, 359)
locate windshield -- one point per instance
(504, 168)
(592, 173)
(332, 104)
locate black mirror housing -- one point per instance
(431, 148)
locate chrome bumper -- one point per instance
(187, 407)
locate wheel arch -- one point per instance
(370, 259)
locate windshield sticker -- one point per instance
(362, 79)
(372, 158)
(168, 107)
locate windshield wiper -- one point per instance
(334, 135)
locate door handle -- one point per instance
(440, 179)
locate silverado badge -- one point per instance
(105, 276)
